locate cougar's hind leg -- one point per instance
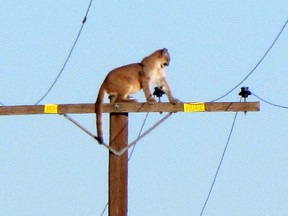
(113, 98)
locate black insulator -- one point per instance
(245, 92)
(158, 92)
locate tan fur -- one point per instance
(124, 81)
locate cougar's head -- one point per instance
(165, 57)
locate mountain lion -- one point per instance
(124, 81)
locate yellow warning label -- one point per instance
(194, 107)
(51, 108)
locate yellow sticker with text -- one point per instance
(51, 108)
(194, 107)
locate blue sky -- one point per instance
(50, 167)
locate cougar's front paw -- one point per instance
(151, 101)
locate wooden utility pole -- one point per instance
(118, 165)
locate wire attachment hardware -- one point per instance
(245, 92)
(158, 92)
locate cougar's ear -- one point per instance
(164, 51)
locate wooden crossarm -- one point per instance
(131, 107)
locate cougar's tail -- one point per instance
(99, 111)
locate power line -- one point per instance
(104, 210)
(69, 55)
(139, 134)
(220, 163)
(256, 66)
(272, 104)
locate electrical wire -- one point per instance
(69, 55)
(139, 134)
(219, 166)
(146, 133)
(104, 210)
(272, 104)
(258, 63)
